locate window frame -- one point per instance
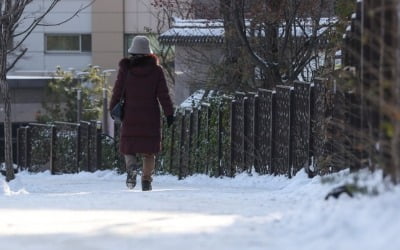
(79, 35)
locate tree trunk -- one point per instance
(273, 7)
(7, 130)
(232, 45)
(6, 29)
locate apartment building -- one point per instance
(98, 35)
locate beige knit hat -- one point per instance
(140, 45)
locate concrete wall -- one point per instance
(140, 17)
(192, 68)
(26, 100)
(107, 32)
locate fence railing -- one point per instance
(59, 147)
(270, 132)
(371, 52)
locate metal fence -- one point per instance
(59, 147)
(371, 52)
(269, 132)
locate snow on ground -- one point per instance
(95, 211)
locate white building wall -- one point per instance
(106, 20)
(36, 59)
(140, 16)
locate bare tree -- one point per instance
(285, 38)
(168, 12)
(11, 41)
(267, 42)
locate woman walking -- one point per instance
(142, 83)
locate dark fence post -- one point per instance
(264, 131)
(191, 148)
(202, 148)
(84, 143)
(257, 132)
(249, 114)
(282, 160)
(301, 126)
(78, 147)
(28, 148)
(194, 140)
(233, 138)
(96, 146)
(100, 147)
(209, 159)
(238, 133)
(203, 141)
(19, 148)
(171, 148)
(68, 140)
(88, 144)
(22, 148)
(181, 145)
(185, 147)
(53, 150)
(220, 131)
(317, 141)
(225, 132)
(198, 140)
(214, 137)
(39, 147)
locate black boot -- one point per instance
(131, 178)
(146, 185)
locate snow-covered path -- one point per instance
(95, 211)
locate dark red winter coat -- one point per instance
(145, 90)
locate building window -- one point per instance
(68, 43)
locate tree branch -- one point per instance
(70, 18)
(16, 59)
(241, 29)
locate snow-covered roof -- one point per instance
(194, 31)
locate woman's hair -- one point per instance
(142, 60)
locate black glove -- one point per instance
(170, 120)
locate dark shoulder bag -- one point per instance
(117, 112)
